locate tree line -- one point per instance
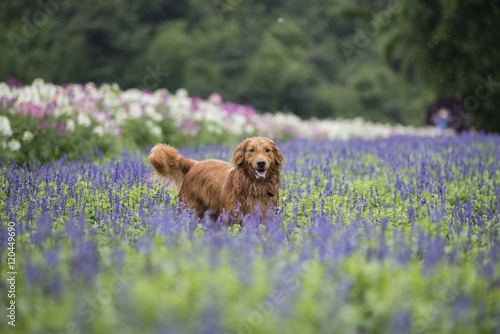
(382, 60)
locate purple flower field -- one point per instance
(388, 235)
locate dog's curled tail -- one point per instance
(169, 165)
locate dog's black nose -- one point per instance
(261, 163)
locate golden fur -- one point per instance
(215, 185)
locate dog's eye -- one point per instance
(268, 150)
(251, 150)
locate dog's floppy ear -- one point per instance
(278, 156)
(239, 153)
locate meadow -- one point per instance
(384, 235)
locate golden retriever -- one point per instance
(215, 185)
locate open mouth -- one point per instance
(259, 173)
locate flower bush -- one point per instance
(386, 235)
(43, 121)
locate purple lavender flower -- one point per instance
(85, 261)
(434, 252)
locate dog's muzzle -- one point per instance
(259, 173)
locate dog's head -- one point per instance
(258, 155)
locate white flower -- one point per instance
(135, 110)
(151, 112)
(249, 128)
(70, 125)
(98, 130)
(82, 119)
(182, 93)
(5, 127)
(28, 136)
(155, 129)
(14, 145)
(120, 116)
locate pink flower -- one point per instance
(188, 126)
(12, 81)
(60, 126)
(195, 101)
(215, 98)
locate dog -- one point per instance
(215, 186)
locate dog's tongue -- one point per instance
(261, 173)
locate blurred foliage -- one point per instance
(312, 58)
(448, 44)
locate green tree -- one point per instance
(273, 55)
(450, 45)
